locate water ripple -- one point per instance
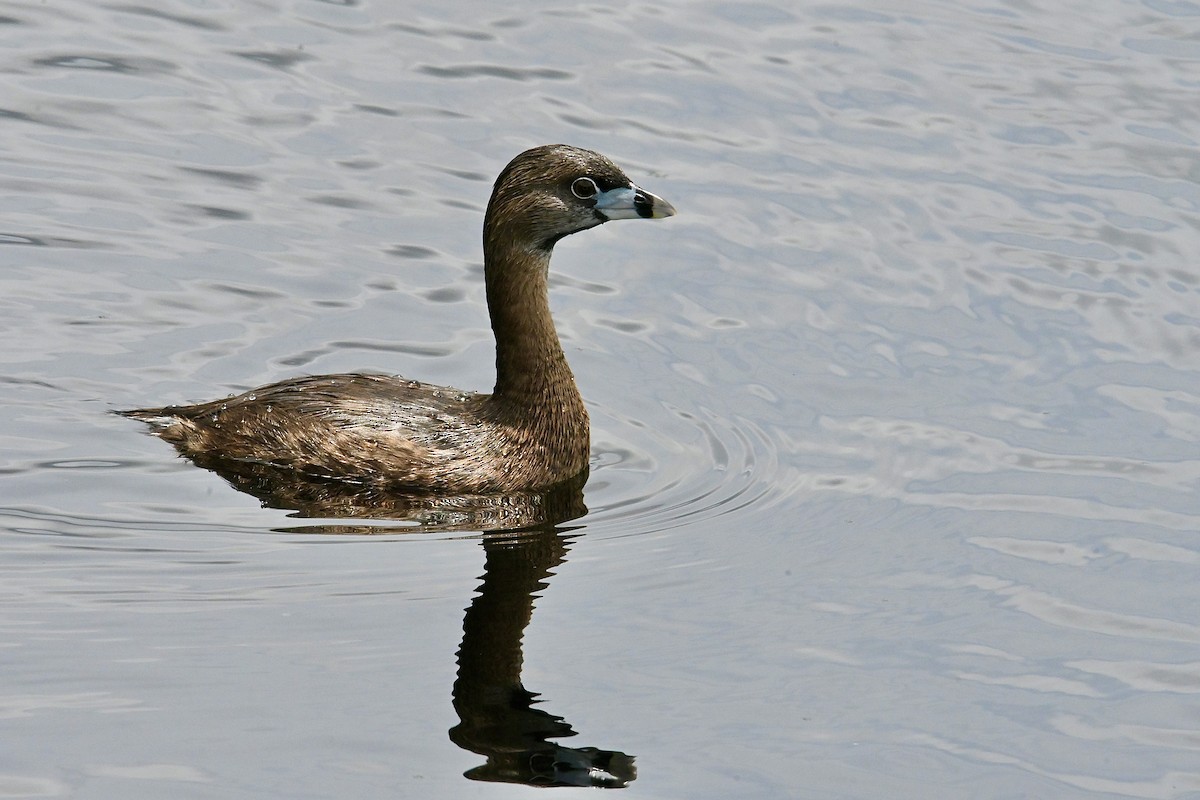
(717, 466)
(494, 71)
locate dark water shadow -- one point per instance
(524, 543)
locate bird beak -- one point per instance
(632, 202)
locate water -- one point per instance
(894, 488)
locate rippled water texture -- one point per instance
(895, 427)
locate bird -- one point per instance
(530, 432)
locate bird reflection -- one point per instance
(523, 545)
(410, 510)
(498, 718)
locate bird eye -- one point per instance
(584, 188)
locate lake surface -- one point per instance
(896, 427)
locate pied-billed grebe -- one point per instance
(531, 432)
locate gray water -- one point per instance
(895, 426)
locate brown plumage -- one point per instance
(531, 432)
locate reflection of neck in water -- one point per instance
(496, 713)
(497, 716)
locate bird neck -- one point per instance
(531, 369)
